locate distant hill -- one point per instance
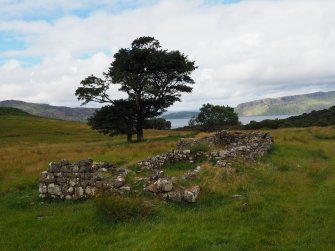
(325, 117)
(49, 111)
(180, 115)
(10, 111)
(288, 105)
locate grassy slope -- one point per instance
(287, 199)
(297, 104)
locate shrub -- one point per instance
(117, 208)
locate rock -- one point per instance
(68, 197)
(90, 191)
(46, 177)
(73, 182)
(164, 184)
(54, 167)
(156, 174)
(78, 192)
(54, 189)
(153, 188)
(43, 188)
(191, 194)
(174, 196)
(221, 163)
(119, 182)
(65, 162)
(125, 188)
(198, 169)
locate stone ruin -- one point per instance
(71, 181)
(66, 180)
(226, 145)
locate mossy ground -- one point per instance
(287, 198)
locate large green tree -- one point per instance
(214, 117)
(152, 78)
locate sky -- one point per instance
(245, 50)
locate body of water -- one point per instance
(175, 123)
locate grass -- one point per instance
(287, 199)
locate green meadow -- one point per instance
(286, 200)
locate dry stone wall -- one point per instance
(81, 179)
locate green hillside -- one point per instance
(325, 117)
(6, 111)
(57, 112)
(284, 202)
(297, 104)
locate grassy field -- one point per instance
(287, 199)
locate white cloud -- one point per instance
(244, 51)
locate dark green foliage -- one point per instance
(157, 123)
(119, 208)
(324, 117)
(115, 119)
(5, 111)
(214, 117)
(152, 78)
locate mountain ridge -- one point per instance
(55, 112)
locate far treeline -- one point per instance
(324, 117)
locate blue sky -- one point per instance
(245, 50)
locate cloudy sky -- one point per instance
(244, 50)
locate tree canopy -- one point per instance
(152, 78)
(214, 117)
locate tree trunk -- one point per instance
(139, 130)
(129, 137)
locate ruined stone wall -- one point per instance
(80, 180)
(225, 145)
(227, 139)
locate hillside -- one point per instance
(296, 104)
(49, 111)
(325, 117)
(254, 208)
(10, 111)
(179, 115)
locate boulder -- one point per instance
(191, 194)
(164, 184)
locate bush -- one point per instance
(117, 208)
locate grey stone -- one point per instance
(119, 182)
(191, 194)
(174, 196)
(54, 189)
(43, 188)
(164, 185)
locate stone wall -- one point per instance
(227, 139)
(80, 180)
(225, 145)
